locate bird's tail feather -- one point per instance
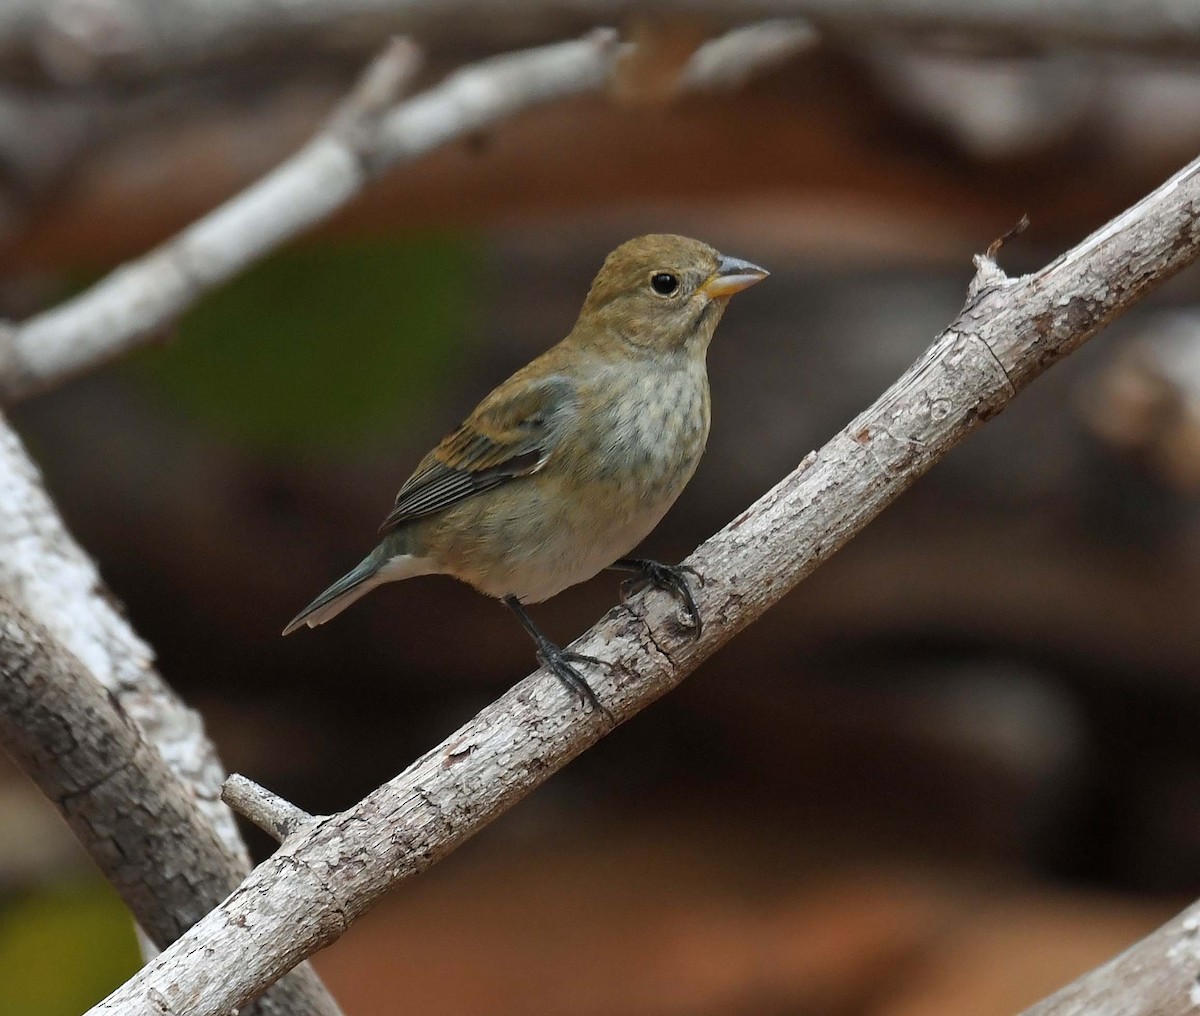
(377, 567)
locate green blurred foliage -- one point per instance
(324, 346)
(63, 948)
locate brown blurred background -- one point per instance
(952, 771)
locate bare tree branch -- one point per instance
(1158, 976)
(79, 690)
(78, 40)
(70, 736)
(270, 812)
(334, 868)
(362, 139)
(142, 826)
(367, 136)
(729, 61)
(46, 572)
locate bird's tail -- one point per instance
(381, 565)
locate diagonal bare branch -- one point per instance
(370, 133)
(334, 868)
(363, 139)
(1157, 976)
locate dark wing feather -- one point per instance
(511, 434)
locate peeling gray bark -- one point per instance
(116, 792)
(334, 868)
(123, 719)
(84, 711)
(50, 577)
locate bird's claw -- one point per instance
(670, 578)
(560, 663)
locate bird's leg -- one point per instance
(671, 578)
(558, 660)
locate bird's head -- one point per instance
(662, 293)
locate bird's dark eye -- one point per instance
(664, 283)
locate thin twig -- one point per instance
(726, 63)
(1010, 331)
(1015, 230)
(270, 812)
(378, 89)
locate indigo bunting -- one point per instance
(570, 463)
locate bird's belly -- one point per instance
(533, 542)
(568, 555)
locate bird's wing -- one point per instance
(511, 433)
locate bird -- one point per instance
(562, 470)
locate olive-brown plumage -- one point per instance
(570, 463)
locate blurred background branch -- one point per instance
(81, 40)
(156, 152)
(365, 137)
(1146, 403)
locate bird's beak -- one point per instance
(732, 276)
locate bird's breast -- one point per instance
(616, 471)
(647, 437)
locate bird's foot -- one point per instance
(560, 662)
(670, 578)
